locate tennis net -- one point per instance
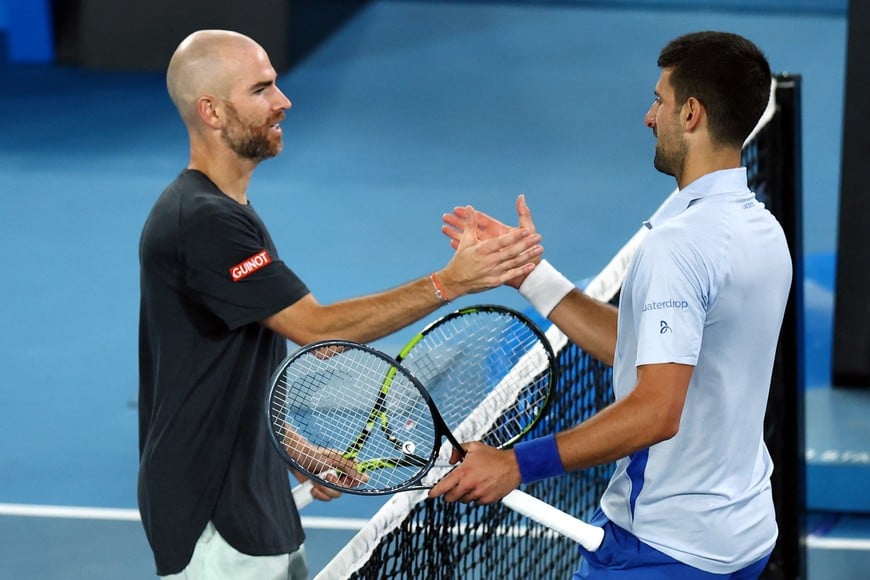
(414, 537)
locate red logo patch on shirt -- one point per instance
(251, 265)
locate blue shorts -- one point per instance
(623, 557)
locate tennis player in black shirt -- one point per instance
(218, 304)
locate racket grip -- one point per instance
(587, 535)
(302, 494)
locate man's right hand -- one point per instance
(488, 228)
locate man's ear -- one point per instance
(207, 109)
(692, 112)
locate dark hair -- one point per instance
(727, 73)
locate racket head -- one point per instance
(347, 397)
(490, 358)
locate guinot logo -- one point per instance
(251, 265)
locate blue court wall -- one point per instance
(792, 6)
(26, 26)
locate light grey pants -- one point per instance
(214, 559)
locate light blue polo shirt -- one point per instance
(707, 288)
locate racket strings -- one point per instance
(359, 404)
(485, 360)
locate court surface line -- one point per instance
(132, 515)
(316, 522)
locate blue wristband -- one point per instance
(538, 459)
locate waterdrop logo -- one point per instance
(669, 304)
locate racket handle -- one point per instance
(587, 535)
(302, 494)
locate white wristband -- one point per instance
(545, 287)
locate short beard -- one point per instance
(670, 163)
(248, 142)
(661, 163)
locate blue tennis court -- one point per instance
(408, 110)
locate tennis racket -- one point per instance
(333, 395)
(474, 353)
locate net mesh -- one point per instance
(414, 537)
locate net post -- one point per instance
(784, 422)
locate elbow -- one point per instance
(660, 424)
(669, 431)
(666, 428)
(295, 333)
(303, 322)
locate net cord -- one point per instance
(604, 287)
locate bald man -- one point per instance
(217, 307)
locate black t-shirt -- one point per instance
(209, 273)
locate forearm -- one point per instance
(588, 323)
(361, 319)
(613, 433)
(648, 415)
(371, 317)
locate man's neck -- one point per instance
(226, 170)
(699, 165)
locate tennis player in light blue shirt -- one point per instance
(699, 293)
(692, 344)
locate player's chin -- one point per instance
(276, 142)
(275, 147)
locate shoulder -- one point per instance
(678, 236)
(201, 205)
(705, 226)
(688, 246)
(190, 191)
